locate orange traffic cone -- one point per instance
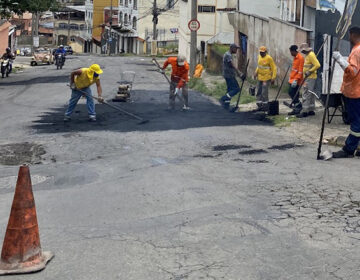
(21, 251)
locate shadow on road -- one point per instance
(203, 114)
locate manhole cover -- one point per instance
(20, 153)
(10, 182)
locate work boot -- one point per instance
(311, 113)
(186, 108)
(92, 119)
(302, 115)
(225, 102)
(67, 119)
(342, 154)
(294, 112)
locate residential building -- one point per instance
(7, 36)
(23, 23)
(167, 26)
(70, 29)
(212, 15)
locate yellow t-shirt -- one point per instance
(86, 79)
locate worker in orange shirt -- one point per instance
(351, 91)
(296, 79)
(179, 79)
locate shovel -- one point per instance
(142, 121)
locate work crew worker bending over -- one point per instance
(265, 73)
(296, 79)
(311, 65)
(80, 83)
(229, 72)
(351, 90)
(179, 79)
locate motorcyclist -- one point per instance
(62, 51)
(8, 55)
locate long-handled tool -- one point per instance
(340, 34)
(167, 78)
(290, 105)
(233, 110)
(142, 121)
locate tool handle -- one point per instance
(328, 94)
(242, 84)
(282, 83)
(158, 65)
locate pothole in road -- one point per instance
(253, 152)
(20, 153)
(285, 147)
(230, 147)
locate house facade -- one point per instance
(213, 18)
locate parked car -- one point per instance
(42, 56)
(68, 50)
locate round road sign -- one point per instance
(194, 25)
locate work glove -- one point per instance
(100, 99)
(307, 73)
(341, 60)
(72, 86)
(177, 90)
(161, 71)
(243, 77)
(294, 84)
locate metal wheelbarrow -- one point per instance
(336, 107)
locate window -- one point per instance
(125, 19)
(134, 22)
(135, 5)
(126, 3)
(121, 18)
(74, 26)
(82, 27)
(170, 4)
(62, 26)
(121, 2)
(206, 9)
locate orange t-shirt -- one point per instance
(179, 74)
(297, 69)
(351, 81)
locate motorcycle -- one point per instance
(5, 67)
(59, 61)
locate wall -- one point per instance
(4, 37)
(98, 15)
(273, 33)
(210, 23)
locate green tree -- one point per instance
(19, 6)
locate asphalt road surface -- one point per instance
(203, 194)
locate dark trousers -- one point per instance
(353, 110)
(232, 86)
(292, 93)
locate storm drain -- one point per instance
(21, 153)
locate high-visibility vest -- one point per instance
(86, 79)
(297, 69)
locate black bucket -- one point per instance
(274, 108)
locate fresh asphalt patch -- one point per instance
(230, 147)
(285, 147)
(253, 152)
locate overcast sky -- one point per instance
(266, 8)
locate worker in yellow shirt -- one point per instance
(80, 83)
(265, 74)
(311, 65)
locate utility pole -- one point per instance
(155, 19)
(68, 33)
(109, 37)
(155, 22)
(193, 39)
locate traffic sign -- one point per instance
(194, 25)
